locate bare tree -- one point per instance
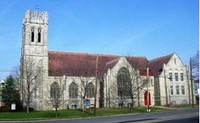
(16, 72)
(30, 79)
(128, 86)
(55, 92)
(136, 86)
(87, 73)
(83, 89)
(195, 66)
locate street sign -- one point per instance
(87, 103)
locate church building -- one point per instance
(73, 80)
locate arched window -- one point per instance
(182, 75)
(73, 90)
(55, 90)
(170, 75)
(39, 35)
(124, 83)
(176, 75)
(90, 90)
(32, 34)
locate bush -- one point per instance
(4, 109)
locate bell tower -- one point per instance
(34, 48)
(35, 29)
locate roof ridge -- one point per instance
(112, 61)
(97, 54)
(136, 57)
(82, 53)
(161, 57)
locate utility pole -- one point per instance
(191, 79)
(95, 96)
(138, 91)
(166, 89)
(188, 82)
(148, 109)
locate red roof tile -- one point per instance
(156, 64)
(83, 64)
(144, 73)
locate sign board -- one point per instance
(13, 106)
(87, 103)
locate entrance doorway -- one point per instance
(147, 101)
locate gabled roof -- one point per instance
(156, 64)
(144, 72)
(75, 64)
(137, 62)
(84, 64)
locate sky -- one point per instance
(150, 28)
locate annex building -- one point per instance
(73, 78)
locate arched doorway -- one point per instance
(147, 101)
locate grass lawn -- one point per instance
(39, 115)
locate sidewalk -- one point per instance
(170, 108)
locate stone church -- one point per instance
(77, 78)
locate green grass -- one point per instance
(39, 115)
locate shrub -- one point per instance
(4, 109)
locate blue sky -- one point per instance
(150, 28)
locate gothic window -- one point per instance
(183, 89)
(177, 90)
(39, 35)
(90, 90)
(170, 76)
(171, 90)
(73, 90)
(176, 76)
(55, 90)
(124, 83)
(32, 34)
(182, 77)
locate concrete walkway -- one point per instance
(164, 107)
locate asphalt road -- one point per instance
(183, 120)
(171, 116)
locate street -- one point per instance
(178, 116)
(184, 120)
(170, 116)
